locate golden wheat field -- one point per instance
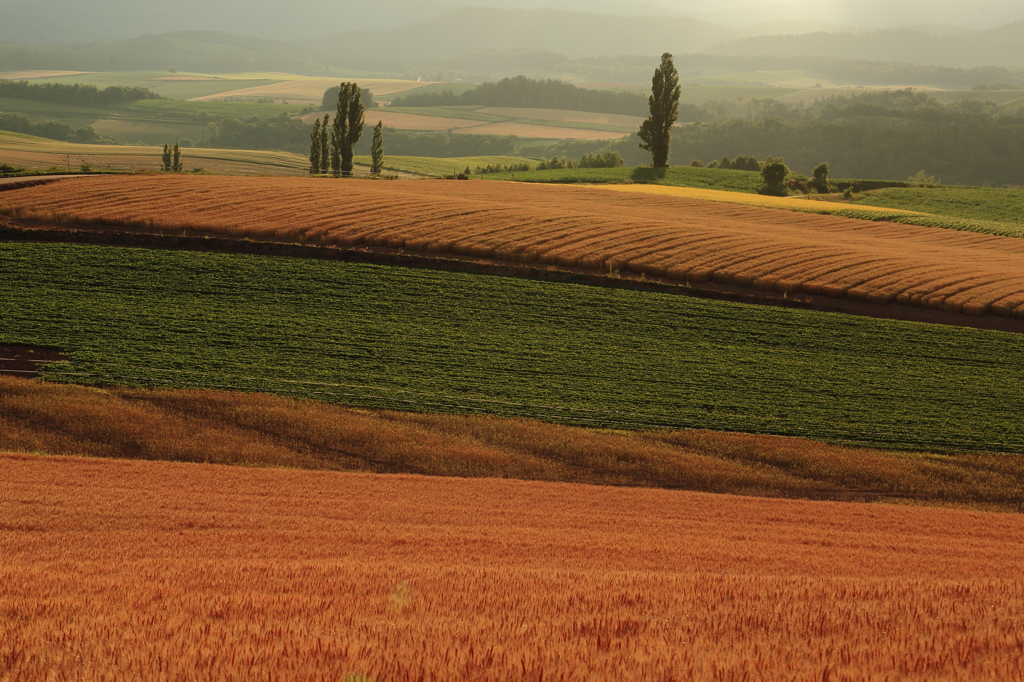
(120, 570)
(595, 229)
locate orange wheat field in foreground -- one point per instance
(592, 228)
(118, 570)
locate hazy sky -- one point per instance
(43, 21)
(861, 13)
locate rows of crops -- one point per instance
(597, 229)
(438, 341)
(123, 571)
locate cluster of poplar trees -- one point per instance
(332, 146)
(171, 161)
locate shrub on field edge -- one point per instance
(773, 175)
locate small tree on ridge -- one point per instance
(314, 149)
(774, 172)
(377, 151)
(821, 178)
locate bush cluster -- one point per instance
(502, 168)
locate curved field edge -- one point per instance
(259, 430)
(857, 211)
(592, 229)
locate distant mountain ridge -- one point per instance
(575, 34)
(861, 14)
(1003, 46)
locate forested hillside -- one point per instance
(885, 136)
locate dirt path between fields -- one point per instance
(13, 231)
(23, 181)
(25, 361)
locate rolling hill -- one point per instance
(1003, 46)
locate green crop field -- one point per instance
(972, 203)
(439, 341)
(153, 121)
(678, 176)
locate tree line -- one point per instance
(74, 94)
(523, 92)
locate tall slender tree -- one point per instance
(314, 149)
(178, 165)
(337, 135)
(352, 114)
(377, 151)
(325, 144)
(656, 131)
(165, 163)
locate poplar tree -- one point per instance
(337, 135)
(314, 149)
(165, 164)
(178, 166)
(351, 114)
(656, 131)
(377, 151)
(325, 145)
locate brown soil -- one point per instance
(24, 361)
(136, 237)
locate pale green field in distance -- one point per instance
(153, 121)
(677, 176)
(533, 117)
(431, 166)
(36, 154)
(45, 111)
(973, 203)
(699, 94)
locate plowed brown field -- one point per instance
(120, 570)
(660, 236)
